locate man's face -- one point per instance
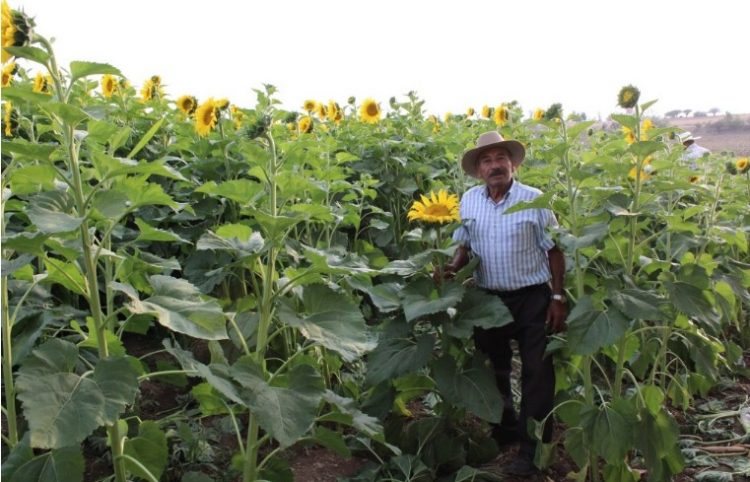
(495, 167)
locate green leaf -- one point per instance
(398, 353)
(590, 329)
(351, 415)
(26, 242)
(643, 149)
(421, 297)
(118, 381)
(286, 413)
(237, 239)
(80, 69)
(52, 222)
(31, 179)
(576, 129)
(28, 52)
(149, 233)
(143, 193)
(68, 275)
(385, 296)
(243, 191)
(177, 304)
(637, 304)
(149, 448)
(408, 267)
(478, 308)
(69, 114)
(24, 150)
(54, 356)
(62, 409)
(541, 202)
(628, 121)
(111, 204)
(591, 235)
(333, 320)
(61, 465)
(473, 388)
(609, 432)
(657, 438)
(690, 300)
(146, 137)
(654, 398)
(331, 440)
(18, 94)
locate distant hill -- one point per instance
(721, 133)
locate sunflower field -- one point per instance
(192, 290)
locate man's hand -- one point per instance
(449, 271)
(556, 314)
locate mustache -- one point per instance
(496, 172)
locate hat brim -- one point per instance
(515, 148)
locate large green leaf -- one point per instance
(177, 304)
(478, 308)
(286, 413)
(70, 114)
(333, 320)
(385, 296)
(118, 381)
(237, 239)
(590, 328)
(638, 304)
(62, 409)
(149, 448)
(150, 233)
(243, 191)
(473, 388)
(31, 179)
(51, 222)
(28, 52)
(609, 432)
(398, 353)
(80, 69)
(68, 275)
(24, 150)
(352, 416)
(691, 301)
(54, 356)
(60, 465)
(142, 193)
(422, 297)
(657, 438)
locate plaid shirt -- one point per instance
(512, 248)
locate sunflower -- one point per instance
(309, 105)
(538, 114)
(152, 88)
(187, 104)
(206, 117)
(321, 110)
(486, 111)
(447, 117)
(369, 111)
(15, 30)
(501, 115)
(646, 170)
(221, 104)
(440, 208)
(238, 117)
(333, 111)
(109, 85)
(629, 135)
(470, 112)
(8, 119)
(694, 179)
(42, 83)
(8, 72)
(628, 97)
(305, 124)
(742, 165)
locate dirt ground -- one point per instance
(734, 142)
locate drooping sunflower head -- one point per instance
(333, 111)
(206, 117)
(742, 165)
(42, 84)
(628, 97)
(486, 111)
(152, 89)
(187, 104)
(309, 105)
(8, 72)
(221, 104)
(470, 112)
(731, 167)
(321, 111)
(16, 30)
(501, 115)
(109, 85)
(439, 207)
(538, 114)
(369, 111)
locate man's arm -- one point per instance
(558, 309)
(460, 259)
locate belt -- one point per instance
(519, 291)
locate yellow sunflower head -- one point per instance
(486, 111)
(305, 124)
(206, 117)
(628, 97)
(16, 30)
(321, 111)
(187, 104)
(629, 134)
(470, 112)
(8, 72)
(152, 89)
(109, 85)
(538, 114)
(221, 104)
(42, 83)
(238, 117)
(8, 119)
(501, 115)
(435, 208)
(694, 179)
(333, 111)
(369, 111)
(742, 165)
(309, 105)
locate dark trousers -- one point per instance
(529, 309)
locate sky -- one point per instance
(688, 54)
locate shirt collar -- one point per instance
(508, 195)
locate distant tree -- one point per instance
(699, 113)
(687, 112)
(713, 110)
(672, 113)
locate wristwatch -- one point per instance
(560, 298)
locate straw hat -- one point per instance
(489, 140)
(687, 136)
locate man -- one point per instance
(693, 151)
(521, 264)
